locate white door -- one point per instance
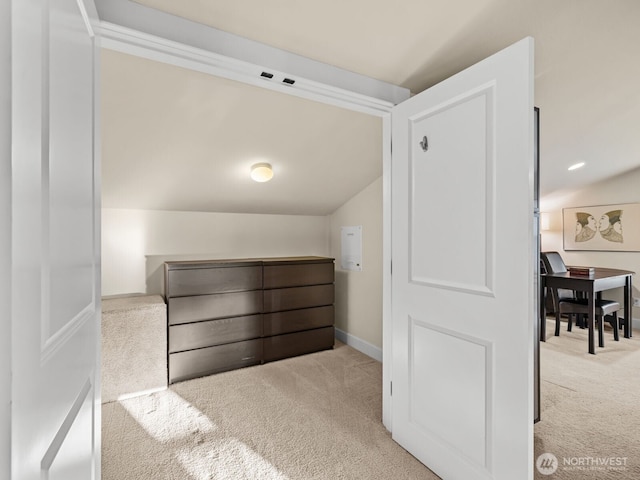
(55, 411)
(462, 291)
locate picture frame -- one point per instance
(602, 228)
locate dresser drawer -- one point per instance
(297, 297)
(214, 332)
(297, 320)
(209, 307)
(205, 361)
(296, 275)
(203, 281)
(292, 344)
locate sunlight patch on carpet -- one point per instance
(226, 459)
(152, 411)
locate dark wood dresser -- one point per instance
(228, 314)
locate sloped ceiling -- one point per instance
(174, 139)
(587, 72)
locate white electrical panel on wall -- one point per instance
(351, 256)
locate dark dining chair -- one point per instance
(552, 263)
(606, 310)
(565, 302)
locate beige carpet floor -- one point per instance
(318, 417)
(591, 407)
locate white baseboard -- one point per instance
(359, 344)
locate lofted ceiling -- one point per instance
(165, 127)
(175, 139)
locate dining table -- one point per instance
(591, 285)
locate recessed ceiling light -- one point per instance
(575, 166)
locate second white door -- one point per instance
(462, 281)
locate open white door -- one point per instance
(462, 281)
(55, 409)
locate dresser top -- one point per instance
(246, 262)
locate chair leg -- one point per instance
(616, 327)
(557, 324)
(600, 321)
(570, 322)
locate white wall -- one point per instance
(621, 189)
(135, 243)
(359, 294)
(5, 239)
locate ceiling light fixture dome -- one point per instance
(261, 172)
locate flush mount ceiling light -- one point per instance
(261, 172)
(576, 166)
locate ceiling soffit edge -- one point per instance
(132, 28)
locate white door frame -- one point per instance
(233, 59)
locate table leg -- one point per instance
(628, 316)
(591, 315)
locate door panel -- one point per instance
(56, 292)
(456, 411)
(460, 130)
(462, 290)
